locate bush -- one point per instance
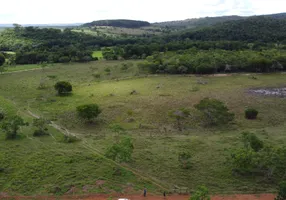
(63, 87)
(214, 111)
(121, 151)
(88, 111)
(251, 113)
(2, 115)
(251, 140)
(96, 75)
(11, 126)
(39, 133)
(282, 191)
(202, 193)
(70, 139)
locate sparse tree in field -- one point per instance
(185, 160)
(202, 193)
(41, 127)
(63, 87)
(117, 129)
(282, 191)
(12, 125)
(180, 115)
(88, 111)
(214, 111)
(121, 151)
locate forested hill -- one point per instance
(197, 22)
(259, 28)
(123, 23)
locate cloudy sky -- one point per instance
(74, 11)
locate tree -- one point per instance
(41, 127)
(63, 87)
(185, 159)
(121, 151)
(180, 115)
(202, 193)
(282, 191)
(214, 111)
(11, 126)
(88, 111)
(2, 59)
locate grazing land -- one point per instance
(80, 166)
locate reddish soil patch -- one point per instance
(149, 197)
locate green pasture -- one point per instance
(47, 162)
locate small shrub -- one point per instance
(251, 140)
(63, 87)
(282, 191)
(52, 76)
(124, 67)
(251, 113)
(180, 115)
(2, 115)
(39, 133)
(202, 193)
(88, 111)
(96, 75)
(70, 139)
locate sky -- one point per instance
(81, 11)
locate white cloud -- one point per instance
(71, 11)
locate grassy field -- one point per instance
(48, 162)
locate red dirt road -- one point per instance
(140, 197)
(183, 197)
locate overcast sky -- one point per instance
(74, 11)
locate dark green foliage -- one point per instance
(41, 127)
(2, 115)
(251, 113)
(121, 151)
(88, 111)
(201, 193)
(2, 59)
(252, 141)
(185, 160)
(11, 126)
(63, 87)
(282, 191)
(39, 133)
(64, 59)
(215, 112)
(118, 23)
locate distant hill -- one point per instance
(197, 22)
(268, 28)
(123, 23)
(209, 21)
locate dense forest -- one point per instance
(35, 45)
(123, 23)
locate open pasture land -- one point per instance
(57, 167)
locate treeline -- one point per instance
(123, 23)
(261, 28)
(215, 61)
(141, 51)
